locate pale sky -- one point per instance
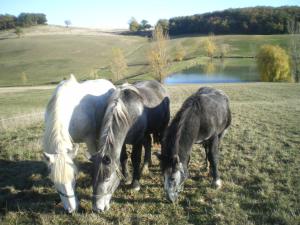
(117, 13)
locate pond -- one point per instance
(217, 71)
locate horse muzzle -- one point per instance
(102, 204)
(172, 196)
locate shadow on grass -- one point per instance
(22, 186)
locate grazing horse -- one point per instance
(134, 112)
(203, 119)
(73, 115)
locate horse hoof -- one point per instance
(135, 186)
(217, 184)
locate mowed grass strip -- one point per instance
(259, 166)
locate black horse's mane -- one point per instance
(173, 136)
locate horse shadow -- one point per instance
(23, 183)
(25, 186)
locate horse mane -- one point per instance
(116, 111)
(57, 139)
(175, 129)
(63, 169)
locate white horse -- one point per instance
(73, 115)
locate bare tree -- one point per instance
(118, 65)
(157, 55)
(294, 48)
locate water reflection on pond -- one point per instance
(217, 71)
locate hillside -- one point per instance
(48, 54)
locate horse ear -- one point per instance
(49, 157)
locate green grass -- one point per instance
(259, 166)
(48, 54)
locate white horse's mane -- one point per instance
(57, 139)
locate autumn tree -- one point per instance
(157, 55)
(273, 63)
(209, 45)
(118, 65)
(133, 25)
(164, 23)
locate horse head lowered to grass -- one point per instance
(134, 112)
(73, 115)
(203, 119)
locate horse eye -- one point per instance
(172, 179)
(106, 160)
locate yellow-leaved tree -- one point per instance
(118, 65)
(157, 55)
(273, 63)
(209, 45)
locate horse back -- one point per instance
(156, 105)
(212, 107)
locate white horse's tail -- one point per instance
(56, 137)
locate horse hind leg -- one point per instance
(207, 166)
(147, 158)
(136, 161)
(213, 158)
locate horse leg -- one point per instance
(147, 158)
(206, 147)
(123, 160)
(136, 161)
(213, 158)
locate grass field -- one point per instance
(48, 54)
(259, 166)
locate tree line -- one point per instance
(252, 20)
(23, 20)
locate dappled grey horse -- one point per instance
(203, 119)
(73, 115)
(134, 113)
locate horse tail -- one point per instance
(56, 137)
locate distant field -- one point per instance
(48, 54)
(259, 165)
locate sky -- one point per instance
(116, 13)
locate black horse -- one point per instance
(203, 119)
(134, 112)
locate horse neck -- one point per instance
(117, 122)
(185, 133)
(57, 138)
